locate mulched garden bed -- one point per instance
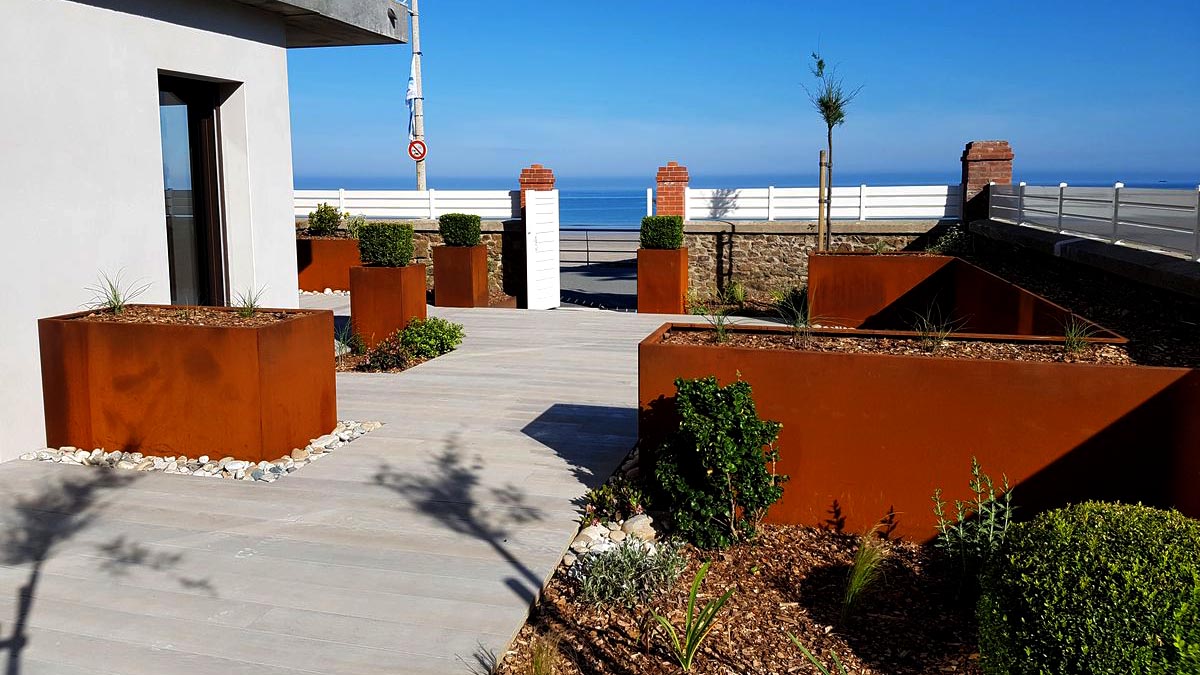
(186, 316)
(791, 579)
(340, 234)
(361, 363)
(952, 348)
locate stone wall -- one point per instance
(774, 256)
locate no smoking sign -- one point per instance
(417, 150)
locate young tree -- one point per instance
(831, 98)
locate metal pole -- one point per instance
(1196, 247)
(419, 101)
(1116, 210)
(822, 221)
(1021, 202)
(1062, 188)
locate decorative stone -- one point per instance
(617, 535)
(127, 464)
(639, 526)
(29, 456)
(145, 465)
(237, 465)
(612, 527)
(203, 459)
(595, 532)
(569, 559)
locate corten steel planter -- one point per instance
(865, 435)
(662, 280)
(384, 300)
(460, 276)
(326, 263)
(253, 393)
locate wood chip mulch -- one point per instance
(791, 579)
(186, 316)
(361, 363)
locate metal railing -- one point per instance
(1162, 220)
(593, 245)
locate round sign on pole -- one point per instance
(417, 150)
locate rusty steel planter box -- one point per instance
(868, 434)
(384, 299)
(460, 276)
(254, 393)
(662, 280)
(326, 263)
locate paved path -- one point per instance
(416, 549)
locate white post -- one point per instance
(1116, 210)
(1062, 188)
(1021, 202)
(687, 208)
(341, 200)
(432, 205)
(1196, 246)
(962, 199)
(862, 201)
(770, 202)
(649, 201)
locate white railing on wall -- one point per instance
(412, 204)
(1165, 220)
(885, 202)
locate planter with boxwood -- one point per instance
(387, 292)
(662, 266)
(460, 266)
(326, 250)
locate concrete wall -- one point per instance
(79, 128)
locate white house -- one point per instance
(149, 138)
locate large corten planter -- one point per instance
(460, 276)
(384, 299)
(254, 393)
(326, 263)
(662, 280)
(865, 435)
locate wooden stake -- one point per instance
(822, 215)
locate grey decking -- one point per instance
(416, 549)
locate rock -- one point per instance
(368, 427)
(602, 546)
(146, 464)
(639, 526)
(595, 532)
(328, 291)
(127, 464)
(224, 461)
(236, 465)
(326, 441)
(83, 456)
(203, 459)
(29, 456)
(612, 527)
(257, 474)
(48, 455)
(617, 535)
(67, 449)
(569, 559)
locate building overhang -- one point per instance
(337, 23)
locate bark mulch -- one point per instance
(186, 316)
(791, 579)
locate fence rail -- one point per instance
(412, 204)
(1164, 220)
(598, 245)
(863, 202)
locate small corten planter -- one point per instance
(326, 263)
(460, 276)
(662, 280)
(251, 392)
(384, 300)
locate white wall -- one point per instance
(79, 134)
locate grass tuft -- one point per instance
(112, 293)
(1076, 333)
(867, 568)
(248, 302)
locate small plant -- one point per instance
(112, 294)
(979, 525)
(354, 225)
(248, 302)
(1076, 333)
(696, 624)
(932, 330)
(618, 499)
(716, 473)
(821, 667)
(720, 322)
(324, 221)
(351, 342)
(389, 354)
(868, 566)
(879, 247)
(627, 574)
(954, 241)
(697, 304)
(460, 229)
(545, 655)
(430, 338)
(793, 307)
(662, 232)
(735, 294)
(385, 244)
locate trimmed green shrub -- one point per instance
(385, 244)
(388, 355)
(432, 337)
(324, 221)
(627, 574)
(460, 229)
(662, 232)
(1094, 589)
(713, 471)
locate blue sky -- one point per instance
(599, 90)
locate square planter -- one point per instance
(384, 299)
(254, 393)
(662, 280)
(326, 263)
(460, 276)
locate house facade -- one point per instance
(149, 140)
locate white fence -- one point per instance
(412, 204)
(895, 202)
(1158, 219)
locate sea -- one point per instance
(620, 203)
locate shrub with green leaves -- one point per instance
(460, 229)
(1094, 589)
(432, 337)
(662, 232)
(324, 221)
(716, 473)
(389, 354)
(618, 499)
(627, 574)
(385, 244)
(978, 526)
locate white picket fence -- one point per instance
(412, 204)
(886, 202)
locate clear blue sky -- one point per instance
(596, 89)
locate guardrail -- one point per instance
(1158, 219)
(412, 204)
(589, 246)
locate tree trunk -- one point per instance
(829, 191)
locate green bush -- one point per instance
(979, 525)
(460, 229)
(617, 499)
(627, 574)
(662, 232)
(385, 244)
(1094, 589)
(432, 337)
(389, 354)
(354, 225)
(324, 221)
(713, 471)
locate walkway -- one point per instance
(416, 549)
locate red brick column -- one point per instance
(672, 185)
(983, 162)
(535, 177)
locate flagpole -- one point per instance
(419, 101)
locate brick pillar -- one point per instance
(983, 162)
(672, 184)
(535, 177)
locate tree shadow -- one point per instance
(588, 437)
